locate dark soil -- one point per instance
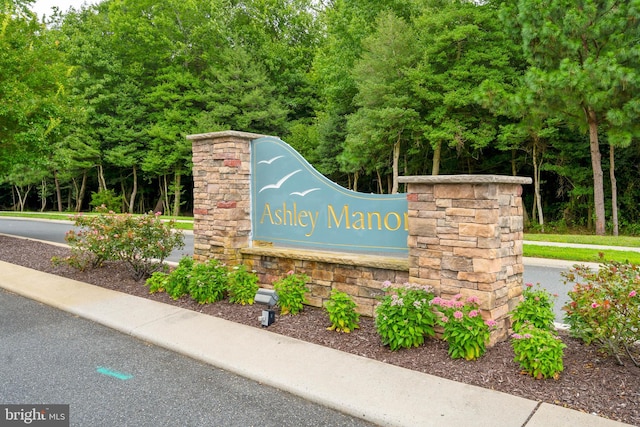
(591, 382)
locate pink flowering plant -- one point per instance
(536, 308)
(208, 281)
(465, 330)
(539, 352)
(404, 317)
(604, 307)
(143, 242)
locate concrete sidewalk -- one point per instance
(381, 393)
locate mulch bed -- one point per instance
(591, 382)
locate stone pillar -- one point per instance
(221, 194)
(465, 236)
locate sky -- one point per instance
(43, 7)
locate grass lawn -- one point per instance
(580, 254)
(586, 239)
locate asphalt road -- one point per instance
(109, 379)
(54, 231)
(545, 272)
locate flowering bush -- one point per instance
(342, 312)
(208, 281)
(141, 241)
(242, 285)
(605, 308)
(464, 329)
(536, 308)
(538, 351)
(291, 290)
(404, 317)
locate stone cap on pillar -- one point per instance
(225, 134)
(464, 179)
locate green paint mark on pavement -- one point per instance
(115, 374)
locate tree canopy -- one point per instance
(99, 100)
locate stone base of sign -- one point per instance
(465, 235)
(360, 276)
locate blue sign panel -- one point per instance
(295, 205)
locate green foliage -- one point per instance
(404, 316)
(177, 283)
(142, 242)
(242, 286)
(33, 79)
(157, 282)
(605, 306)
(537, 348)
(387, 118)
(106, 200)
(342, 312)
(464, 329)
(208, 282)
(363, 89)
(577, 55)
(539, 352)
(536, 308)
(291, 290)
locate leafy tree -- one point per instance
(463, 44)
(388, 115)
(347, 24)
(32, 86)
(242, 97)
(284, 43)
(584, 65)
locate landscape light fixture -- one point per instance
(268, 297)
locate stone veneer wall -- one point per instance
(360, 276)
(465, 234)
(465, 237)
(221, 194)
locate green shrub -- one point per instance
(291, 290)
(536, 308)
(157, 282)
(464, 329)
(404, 316)
(177, 283)
(342, 312)
(143, 242)
(604, 307)
(107, 200)
(242, 286)
(208, 282)
(539, 352)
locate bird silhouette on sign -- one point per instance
(303, 193)
(279, 183)
(268, 162)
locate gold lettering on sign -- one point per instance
(291, 217)
(360, 220)
(370, 215)
(398, 222)
(343, 214)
